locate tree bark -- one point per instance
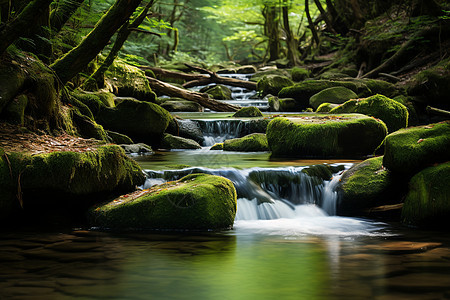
(311, 23)
(79, 57)
(271, 21)
(292, 44)
(122, 35)
(201, 98)
(325, 16)
(62, 13)
(23, 23)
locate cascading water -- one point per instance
(269, 193)
(217, 131)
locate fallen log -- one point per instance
(201, 79)
(201, 98)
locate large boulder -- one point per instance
(410, 150)
(181, 106)
(365, 185)
(299, 74)
(141, 121)
(250, 143)
(189, 129)
(325, 135)
(248, 112)
(125, 80)
(391, 112)
(304, 90)
(94, 100)
(218, 92)
(12, 79)
(176, 142)
(326, 107)
(273, 84)
(282, 105)
(427, 203)
(336, 95)
(197, 201)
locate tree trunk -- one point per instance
(201, 98)
(292, 44)
(325, 16)
(122, 35)
(311, 23)
(23, 23)
(79, 57)
(62, 13)
(271, 21)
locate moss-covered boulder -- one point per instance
(248, 112)
(299, 74)
(304, 90)
(128, 81)
(197, 202)
(189, 129)
(14, 112)
(218, 92)
(12, 79)
(94, 100)
(118, 138)
(87, 128)
(282, 105)
(382, 87)
(137, 149)
(141, 121)
(366, 185)
(177, 142)
(427, 203)
(248, 69)
(272, 71)
(410, 150)
(336, 95)
(181, 105)
(323, 171)
(217, 146)
(326, 107)
(273, 84)
(325, 135)
(332, 74)
(250, 143)
(392, 113)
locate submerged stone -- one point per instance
(427, 203)
(391, 112)
(196, 201)
(325, 135)
(250, 143)
(249, 112)
(410, 150)
(335, 95)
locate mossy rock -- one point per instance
(14, 112)
(118, 138)
(332, 74)
(366, 185)
(304, 90)
(182, 106)
(427, 203)
(248, 112)
(299, 74)
(91, 100)
(323, 172)
(257, 125)
(218, 146)
(335, 95)
(128, 81)
(248, 69)
(195, 202)
(137, 149)
(141, 121)
(87, 128)
(410, 150)
(12, 79)
(347, 135)
(392, 113)
(218, 92)
(326, 107)
(382, 87)
(189, 129)
(260, 74)
(80, 107)
(273, 84)
(254, 142)
(177, 142)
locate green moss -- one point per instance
(394, 114)
(248, 112)
(176, 142)
(332, 74)
(81, 107)
(427, 203)
(12, 78)
(325, 135)
(280, 72)
(324, 171)
(336, 95)
(15, 111)
(326, 107)
(181, 105)
(299, 74)
(91, 100)
(365, 185)
(118, 138)
(218, 146)
(408, 151)
(141, 121)
(380, 87)
(273, 84)
(197, 201)
(250, 143)
(87, 128)
(302, 91)
(219, 92)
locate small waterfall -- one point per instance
(269, 193)
(217, 131)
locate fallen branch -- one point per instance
(201, 98)
(437, 111)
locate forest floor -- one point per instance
(14, 139)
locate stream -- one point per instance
(286, 242)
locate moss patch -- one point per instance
(325, 136)
(336, 95)
(392, 113)
(326, 107)
(218, 92)
(428, 201)
(218, 146)
(197, 201)
(176, 142)
(250, 143)
(299, 74)
(410, 150)
(273, 84)
(249, 111)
